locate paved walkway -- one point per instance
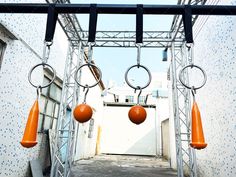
(122, 166)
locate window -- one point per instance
(129, 99)
(2, 50)
(142, 99)
(49, 105)
(116, 98)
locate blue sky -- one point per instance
(114, 61)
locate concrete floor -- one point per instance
(122, 166)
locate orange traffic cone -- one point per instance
(30, 134)
(198, 141)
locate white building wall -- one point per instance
(16, 94)
(158, 83)
(173, 162)
(215, 53)
(120, 136)
(214, 48)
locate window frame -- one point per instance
(55, 103)
(3, 46)
(130, 98)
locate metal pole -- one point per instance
(179, 155)
(192, 157)
(59, 122)
(76, 95)
(70, 143)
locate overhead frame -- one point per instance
(53, 9)
(117, 9)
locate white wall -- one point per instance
(173, 162)
(162, 111)
(120, 136)
(16, 94)
(215, 52)
(159, 82)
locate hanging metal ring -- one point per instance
(44, 86)
(192, 66)
(138, 87)
(86, 86)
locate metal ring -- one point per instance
(191, 66)
(44, 86)
(138, 87)
(86, 86)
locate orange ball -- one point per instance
(137, 114)
(83, 113)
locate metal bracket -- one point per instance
(187, 20)
(92, 23)
(51, 23)
(139, 24)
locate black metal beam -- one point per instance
(118, 9)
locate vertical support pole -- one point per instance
(57, 142)
(192, 157)
(76, 96)
(179, 158)
(63, 145)
(186, 162)
(72, 122)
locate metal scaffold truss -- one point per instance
(185, 155)
(66, 127)
(151, 39)
(186, 162)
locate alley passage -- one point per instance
(122, 166)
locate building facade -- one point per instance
(21, 47)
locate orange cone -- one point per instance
(198, 141)
(30, 134)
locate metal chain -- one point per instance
(38, 91)
(90, 53)
(46, 51)
(138, 54)
(190, 53)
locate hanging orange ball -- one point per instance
(137, 114)
(83, 113)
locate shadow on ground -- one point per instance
(122, 166)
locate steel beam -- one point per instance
(117, 9)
